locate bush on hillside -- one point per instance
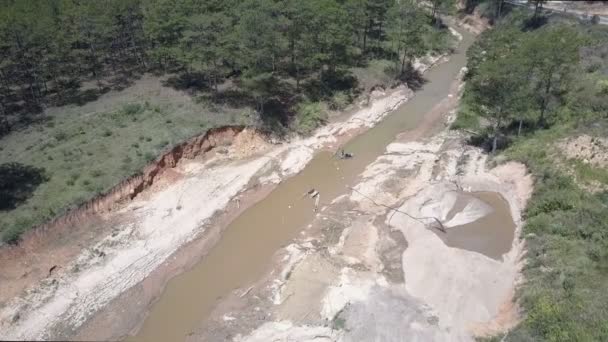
(309, 115)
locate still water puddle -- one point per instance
(491, 234)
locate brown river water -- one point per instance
(247, 245)
(491, 235)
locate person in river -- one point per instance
(314, 194)
(345, 155)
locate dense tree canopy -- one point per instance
(54, 52)
(516, 76)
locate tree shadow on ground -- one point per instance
(437, 22)
(330, 82)
(470, 5)
(534, 23)
(484, 140)
(196, 81)
(232, 97)
(379, 52)
(278, 105)
(17, 183)
(412, 78)
(80, 97)
(122, 81)
(527, 126)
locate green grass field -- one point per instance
(85, 150)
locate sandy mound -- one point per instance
(248, 143)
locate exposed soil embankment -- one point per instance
(44, 250)
(129, 188)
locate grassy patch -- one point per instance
(310, 115)
(589, 173)
(466, 119)
(87, 150)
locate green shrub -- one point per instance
(603, 87)
(149, 156)
(546, 318)
(309, 115)
(61, 136)
(339, 101)
(466, 119)
(13, 234)
(555, 200)
(132, 109)
(96, 173)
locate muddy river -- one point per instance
(247, 245)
